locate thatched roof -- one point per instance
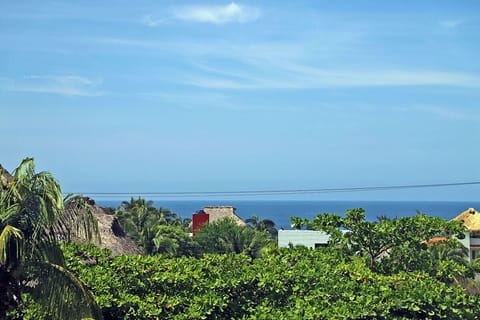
(112, 235)
(5, 177)
(221, 212)
(470, 218)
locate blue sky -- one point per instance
(122, 96)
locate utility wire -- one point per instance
(274, 192)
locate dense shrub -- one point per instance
(291, 284)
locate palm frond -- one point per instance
(11, 245)
(3, 178)
(253, 221)
(7, 211)
(62, 294)
(78, 219)
(32, 221)
(49, 251)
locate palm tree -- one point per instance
(173, 241)
(253, 221)
(169, 217)
(449, 261)
(32, 222)
(263, 225)
(134, 213)
(450, 250)
(186, 224)
(226, 236)
(140, 220)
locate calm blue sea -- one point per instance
(280, 211)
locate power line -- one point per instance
(274, 192)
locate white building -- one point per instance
(306, 238)
(471, 220)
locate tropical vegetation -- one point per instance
(160, 231)
(226, 236)
(398, 245)
(32, 223)
(263, 225)
(384, 269)
(155, 230)
(297, 283)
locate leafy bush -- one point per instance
(292, 284)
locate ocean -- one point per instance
(280, 211)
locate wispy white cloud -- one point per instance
(67, 85)
(450, 113)
(150, 21)
(275, 53)
(219, 64)
(451, 24)
(125, 42)
(217, 14)
(190, 99)
(302, 77)
(284, 66)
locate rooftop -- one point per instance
(470, 218)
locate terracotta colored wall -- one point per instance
(198, 220)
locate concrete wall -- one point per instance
(473, 246)
(466, 242)
(307, 238)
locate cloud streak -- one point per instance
(66, 85)
(217, 14)
(449, 113)
(150, 21)
(301, 77)
(284, 66)
(451, 24)
(299, 64)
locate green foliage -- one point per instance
(374, 270)
(144, 224)
(291, 284)
(29, 310)
(298, 223)
(263, 225)
(226, 236)
(32, 220)
(446, 260)
(173, 241)
(159, 231)
(397, 241)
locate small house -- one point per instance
(471, 220)
(306, 238)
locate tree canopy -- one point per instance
(147, 225)
(226, 236)
(295, 283)
(399, 243)
(32, 222)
